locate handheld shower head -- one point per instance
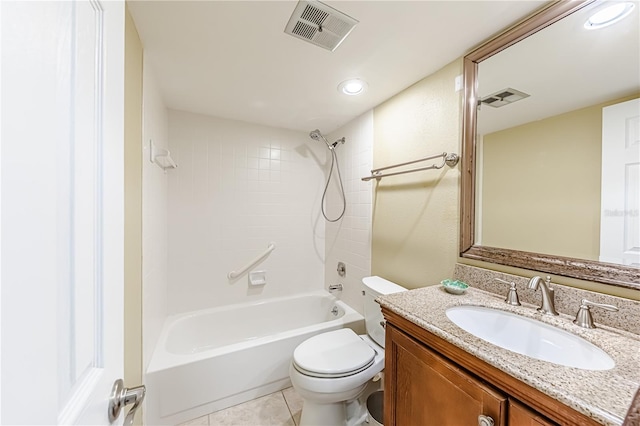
(317, 136)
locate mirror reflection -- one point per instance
(558, 141)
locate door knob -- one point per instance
(485, 420)
(120, 397)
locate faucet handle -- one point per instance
(584, 318)
(512, 296)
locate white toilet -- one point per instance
(331, 370)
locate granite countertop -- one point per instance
(604, 396)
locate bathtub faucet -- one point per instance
(335, 287)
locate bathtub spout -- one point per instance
(335, 287)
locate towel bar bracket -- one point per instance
(452, 159)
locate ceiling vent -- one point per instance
(503, 97)
(319, 24)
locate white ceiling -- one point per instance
(232, 59)
(564, 67)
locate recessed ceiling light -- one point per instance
(352, 87)
(609, 15)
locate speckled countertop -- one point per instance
(604, 396)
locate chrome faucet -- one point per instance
(547, 306)
(335, 287)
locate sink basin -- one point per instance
(530, 337)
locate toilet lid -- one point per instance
(333, 354)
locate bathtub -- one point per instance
(212, 359)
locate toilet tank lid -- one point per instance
(381, 286)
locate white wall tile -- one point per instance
(238, 187)
(349, 239)
(154, 217)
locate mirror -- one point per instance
(551, 146)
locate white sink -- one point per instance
(530, 337)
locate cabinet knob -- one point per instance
(485, 420)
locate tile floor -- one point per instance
(282, 408)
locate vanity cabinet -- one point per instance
(522, 416)
(426, 389)
(429, 381)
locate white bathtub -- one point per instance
(212, 359)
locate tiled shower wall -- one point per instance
(238, 187)
(349, 240)
(155, 244)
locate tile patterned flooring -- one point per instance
(282, 408)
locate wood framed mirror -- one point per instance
(475, 243)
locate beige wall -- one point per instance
(133, 207)
(416, 215)
(541, 186)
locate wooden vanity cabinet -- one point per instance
(520, 415)
(431, 382)
(426, 389)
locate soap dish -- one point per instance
(454, 286)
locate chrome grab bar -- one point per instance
(235, 274)
(448, 159)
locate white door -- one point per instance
(620, 216)
(61, 209)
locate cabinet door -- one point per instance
(519, 415)
(424, 389)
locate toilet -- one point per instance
(330, 371)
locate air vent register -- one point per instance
(319, 24)
(503, 97)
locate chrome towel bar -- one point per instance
(449, 159)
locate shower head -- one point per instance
(317, 136)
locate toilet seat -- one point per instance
(334, 354)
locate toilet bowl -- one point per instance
(330, 371)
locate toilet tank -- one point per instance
(374, 287)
